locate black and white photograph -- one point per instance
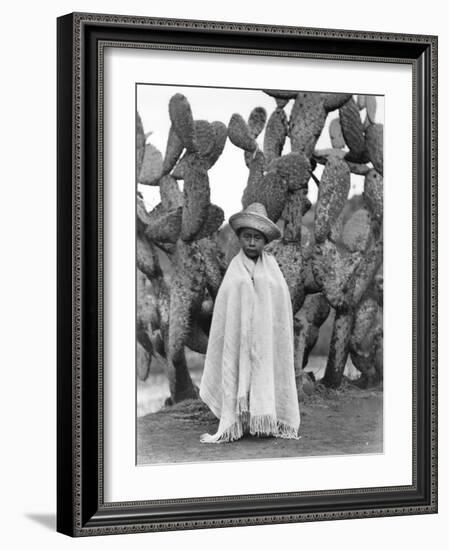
(201, 202)
(259, 273)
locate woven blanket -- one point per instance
(248, 380)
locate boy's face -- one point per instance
(252, 242)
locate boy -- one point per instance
(248, 379)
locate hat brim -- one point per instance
(255, 221)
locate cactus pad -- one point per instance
(292, 215)
(307, 120)
(173, 151)
(317, 309)
(332, 196)
(220, 133)
(294, 168)
(352, 128)
(336, 135)
(378, 285)
(163, 226)
(271, 191)
(151, 170)
(365, 272)
(178, 171)
(256, 165)
(373, 193)
(289, 257)
(214, 219)
(146, 258)
(240, 134)
(371, 107)
(257, 120)
(205, 137)
(374, 144)
(214, 263)
(357, 231)
(275, 134)
(281, 94)
(337, 228)
(171, 195)
(333, 270)
(189, 276)
(358, 169)
(140, 144)
(281, 103)
(321, 156)
(142, 363)
(361, 101)
(335, 101)
(141, 216)
(364, 320)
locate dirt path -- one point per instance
(332, 423)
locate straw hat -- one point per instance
(255, 217)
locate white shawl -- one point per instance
(249, 379)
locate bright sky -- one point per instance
(229, 175)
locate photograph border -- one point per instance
(82, 37)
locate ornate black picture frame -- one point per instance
(81, 509)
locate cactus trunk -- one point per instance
(339, 348)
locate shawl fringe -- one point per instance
(264, 425)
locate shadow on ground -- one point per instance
(46, 520)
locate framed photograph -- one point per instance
(247, 274)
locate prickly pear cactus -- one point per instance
(344, 255)
(180, 230)
(334, 263)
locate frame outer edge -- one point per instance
(234, 26)
(69, 521)
(65, 370)
(434, 270)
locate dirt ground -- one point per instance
(333, 422)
